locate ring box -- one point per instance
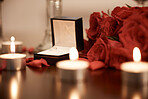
(66, 33)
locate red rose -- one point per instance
(129, 24)
(135, 33)
(105, 50)
(108, 26)
(121, 13)
(112, 45)
(94, 20)
(104, 15)
(104, 25)
(118, 55)
(99, 50)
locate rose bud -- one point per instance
(24, 49)
(31, 50)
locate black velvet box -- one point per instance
(66, 33)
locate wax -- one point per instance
(135, 67)
(72, 65)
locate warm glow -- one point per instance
(136, 54)
(73, 54)
(12, 46)
(74, 95)
(136, 96)
(14, 89)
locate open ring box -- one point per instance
(66, 33)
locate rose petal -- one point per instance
(121, 13)
(29, 59)
(44, 62)
(96, 65)
(35, 63)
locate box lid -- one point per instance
(67, 32)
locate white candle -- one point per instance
(73, 63)
(6, 46)
(13, 61)
(135, 73)
(73, 69)
(136, 66)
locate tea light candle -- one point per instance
(135, 72)
(6, 46)
(13, 61)
(73, 69)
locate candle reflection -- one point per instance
(74, 94)
(134, 91)
(67, 90)
(136, 96)
(14, 89)
(12, 82)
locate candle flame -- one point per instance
(73, 54)
(12, 38)
(12, 45)
(136, 54)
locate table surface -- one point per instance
(43, 83)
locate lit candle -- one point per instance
(73, 69)
(13, 61)
(136, 66)
(135, 72)
(6, 46)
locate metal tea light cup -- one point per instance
(18, 63)
(72, 75)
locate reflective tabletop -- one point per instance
(43, 83)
